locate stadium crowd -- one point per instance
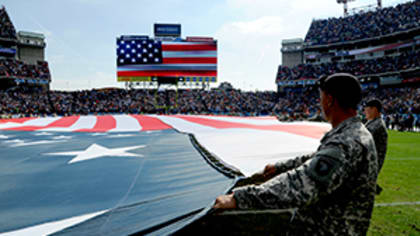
(17, 69)
(407, 60)
(400, 112)
(7, 30)
(365, 25)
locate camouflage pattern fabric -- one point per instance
(380, 135)
(333, 189)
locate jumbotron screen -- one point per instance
(140, 58)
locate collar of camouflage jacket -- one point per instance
(373, 120)
(339, 127)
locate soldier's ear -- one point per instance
(330, 100)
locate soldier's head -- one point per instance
(340, 94)
(373, 109)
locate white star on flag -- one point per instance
(3, 136)
(97, 151)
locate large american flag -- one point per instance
(126, 174)
(152, 58)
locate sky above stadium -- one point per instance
(81, 34)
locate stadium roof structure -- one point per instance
(31, 34)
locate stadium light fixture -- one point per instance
(344, 2)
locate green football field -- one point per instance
(397, 210)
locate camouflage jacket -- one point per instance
(333, 188)
(380, 135)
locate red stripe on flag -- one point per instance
(150, 123)
(189, 47)
(103, 124)
(17, 120)
(304, 130)
(62, 122)
(167, 73)
(190, 60)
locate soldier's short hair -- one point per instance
(344, 87)
(374, 103)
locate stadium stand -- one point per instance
(404, 61)
(400, 112)
(7, 30)
(380, 47)
(366, 25)
(13, 68)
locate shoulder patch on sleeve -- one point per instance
(324, 165)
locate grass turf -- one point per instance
(400, 180)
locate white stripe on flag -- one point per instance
(188, 54)
(183, 125)
(188, 66)
(52, 227)
(35, 122)
(185, 43)
(40, 121)
(126, 123)
(250, 150)
(9, 125)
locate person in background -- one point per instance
(377, 128)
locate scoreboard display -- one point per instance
(171, 59)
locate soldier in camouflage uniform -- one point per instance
(377, 128)
(333, 189)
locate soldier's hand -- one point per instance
(225, 202)
(269, 171)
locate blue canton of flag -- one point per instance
(115, 183)
(138, 51)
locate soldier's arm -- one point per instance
(381, 137)
(271, 170)
(282, 167)
(319, 176)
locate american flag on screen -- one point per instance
(149, 57)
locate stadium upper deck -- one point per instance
(385, 21)
(14, 69)
(406, 61)
(382, 44)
